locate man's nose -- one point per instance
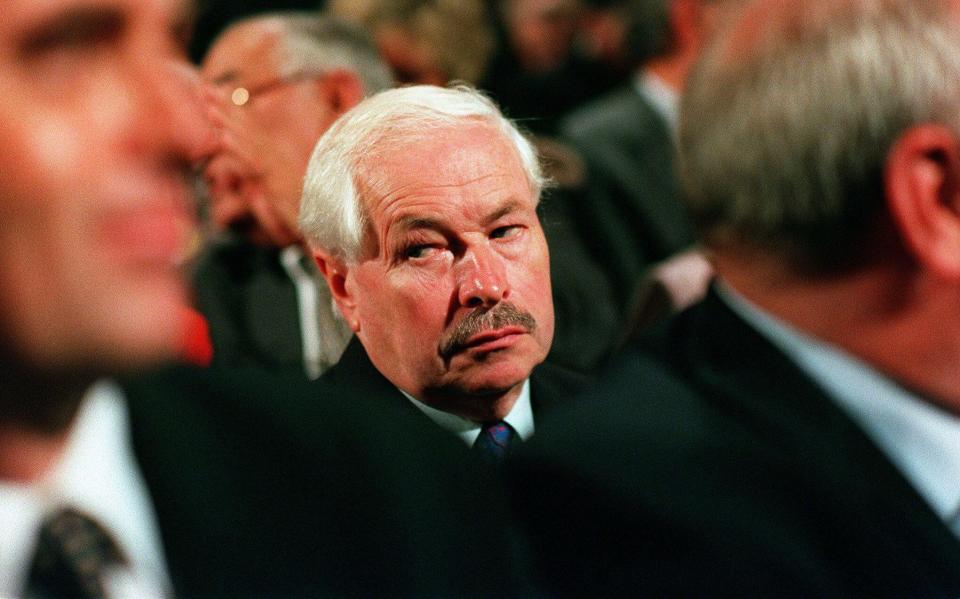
(171, 108)
(482, 279)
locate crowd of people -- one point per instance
(527, 298)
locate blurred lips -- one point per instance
(152, 234)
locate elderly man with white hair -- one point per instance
(420, 207)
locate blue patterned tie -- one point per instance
(73, 552)
(495, 441)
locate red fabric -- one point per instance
(197, 349)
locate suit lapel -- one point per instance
(357, 373)
(832, 456)
(551, 386)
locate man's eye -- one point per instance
(75, 31)
(417, 251)
(505, 232)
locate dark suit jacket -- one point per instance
(356, 376)
(265, 487)
(708, 464)
(252, 309)
(629, 213)
(250, 305)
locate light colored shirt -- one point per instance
(98, 475)
(324, 334)
(921, 439)
(664, 99)
(520, 418)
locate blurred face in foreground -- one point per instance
(97, 123)
(451, 295)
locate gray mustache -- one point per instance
(503, 315)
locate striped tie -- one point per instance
(72, 555)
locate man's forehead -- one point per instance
(471, 161)
(245, 50)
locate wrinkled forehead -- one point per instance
(471, 171)
(449, 156)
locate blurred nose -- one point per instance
(169, 109)
(482, 279)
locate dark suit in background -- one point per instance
(262, 487)
(250, 305)
(252, 310)
(708, 464)
(629, 213)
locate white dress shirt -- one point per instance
(921, 439)
(98, 475)
(664, 99)
(520, 418)
(323, 333)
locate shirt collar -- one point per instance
(520, 418)
(96, 474)
(665, 100)
(920, 438)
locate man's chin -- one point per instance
(489, 381)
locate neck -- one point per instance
(478, 407)
(36, 414)
(672, 69)
(891, 315)
(27, 455)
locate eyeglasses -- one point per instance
(241, 95)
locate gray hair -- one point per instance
(783, 144)
(312, 41)
(458, 31)
(332, 214)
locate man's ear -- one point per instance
(336, 273)
(340, 90)
(922, 184)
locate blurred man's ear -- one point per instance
(922, 181)
(340, 90)
(336, 271)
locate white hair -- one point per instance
(332, 214)
(783, 142)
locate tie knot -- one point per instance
(72, 553)
(495, 441)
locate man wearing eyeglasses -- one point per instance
(277, 82)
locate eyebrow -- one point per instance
(414, 222)
(95, 22)
(504, 209)
(410, 223)
(228, 77)
(74, 24)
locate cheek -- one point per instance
(41, 191)
(54, 149)
(532, 276)
(411, 302)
